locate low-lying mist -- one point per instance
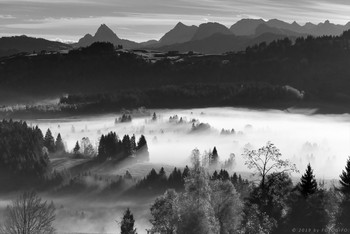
(322, 140)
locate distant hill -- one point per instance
(105, 34)
(249, 27)
(221, 43)
(265, 28)
(17, 44)
(179, 34)
(209, 29)
(246, 27)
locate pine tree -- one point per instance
(59, 144)
(133, 146)
(214, 158)
(345, 179)
(307, 205)
(49, 141)
(343, 216)
(126, 146)
(76, 149)
(154, 117)
(308, 184)
(127, 223)
(142, 149)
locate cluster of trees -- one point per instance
(157, 182)
(111, 147)
(200, 127)
(214, 204)
(176, 119)
(54, 146)
(85, 149)
(21, 151)
(205, 206)
(167, 96)
(227, 132)
(123, 119)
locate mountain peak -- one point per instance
(180, 24)
(295, 23)
(210, 28)
(245, 27)
(179, 34)
(104, 30)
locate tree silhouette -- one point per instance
(343, 215)
(59, 144)
(49, 141)
(29, 214)
(307, 205)
(214, 160)
(308, 184)
(267, 160)
(76, 149)
(127, 223)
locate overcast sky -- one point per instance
(141, 20)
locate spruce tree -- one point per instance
(76, 149)
(343, 216)
(126, 146)
(127, 223)
(307, 205)
(308, 184)
(142, 149)
(345, 179)
(49, 141)
(214, 158)
(133, 146)
(59, 144)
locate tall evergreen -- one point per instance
(49, 141)
(133, 144)
(59, 144)
(142, 149)
(307, 205)
(308, 184)
(126, 145)
(345, 179)
(343, 216)
(127, 223)
(214, 158)
(76, 149)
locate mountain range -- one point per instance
(208, 37)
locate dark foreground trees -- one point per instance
(21, 151)
(307, 206)
(343, 216)
(28, 214)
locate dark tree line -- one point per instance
(52, 145)
(156, 182)
(111, 147)
(21, 150)
(319, 66)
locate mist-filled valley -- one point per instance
(302, 137)
(89, 203)
(208, 130)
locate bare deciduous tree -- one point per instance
(28, 214)
(267, 160)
